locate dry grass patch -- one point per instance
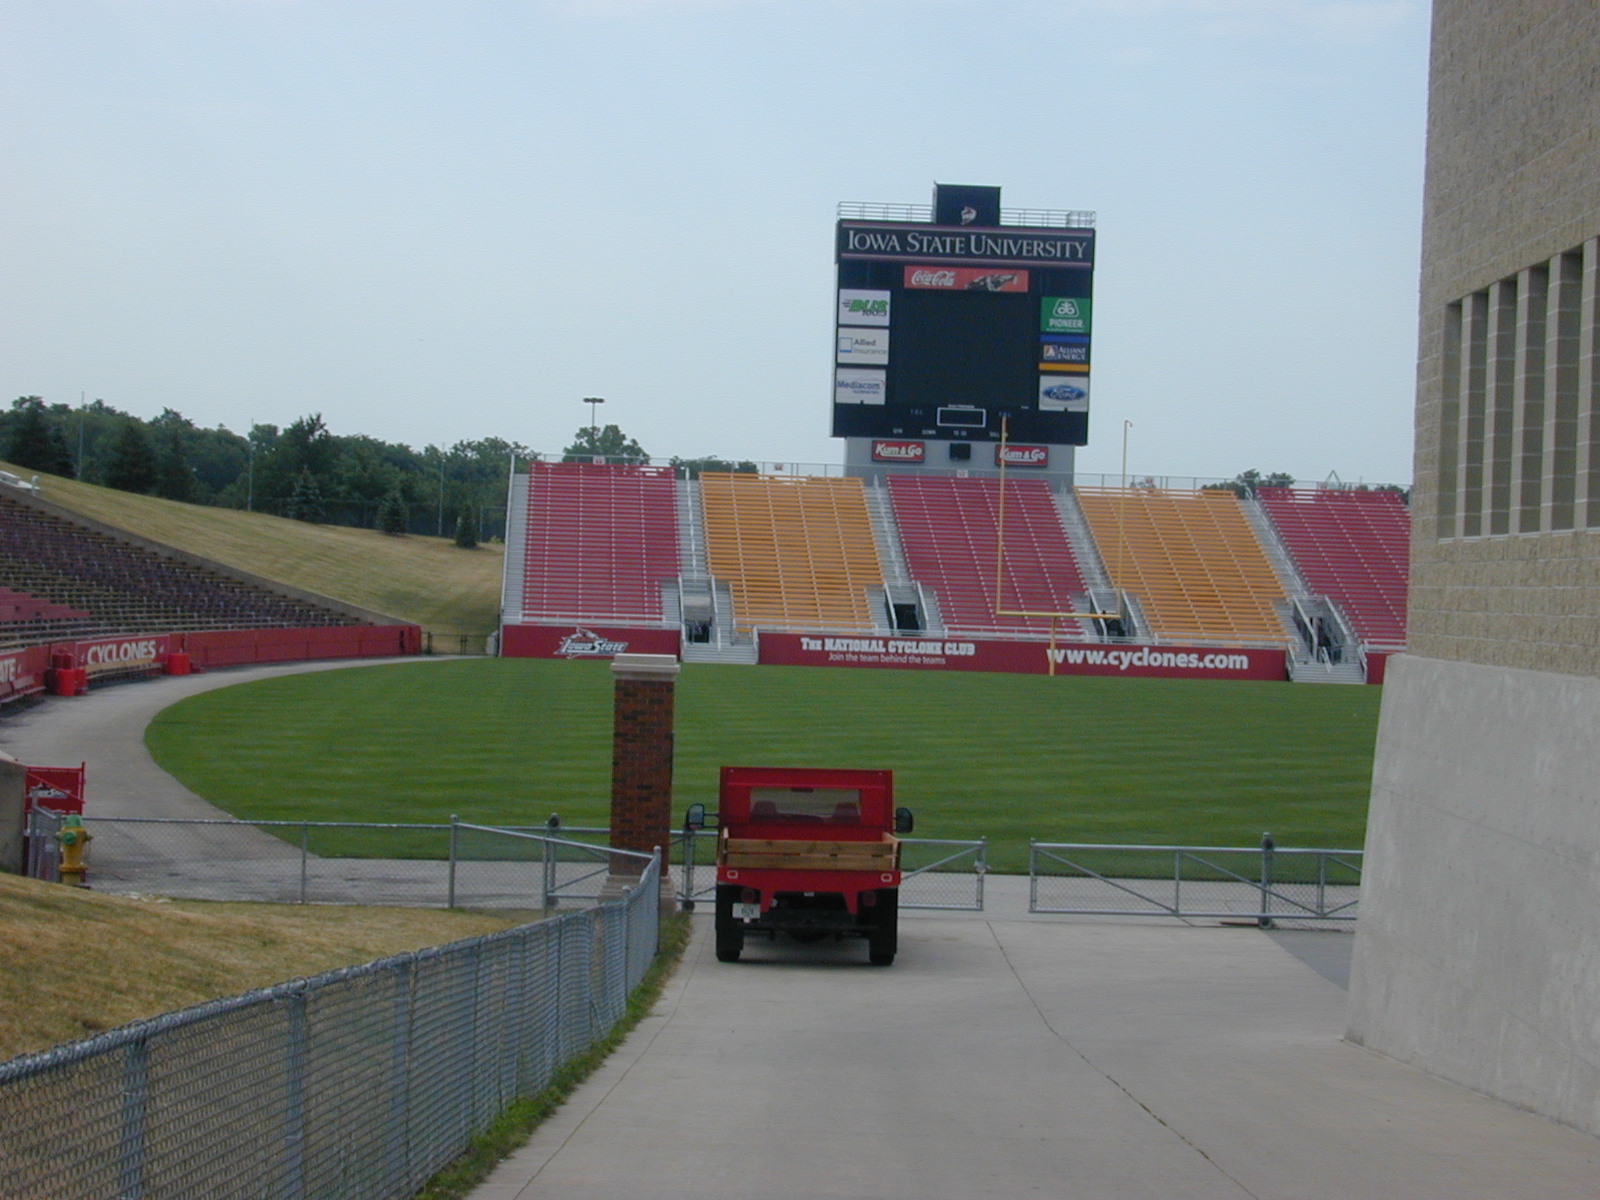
(428, 581)
(74, 963)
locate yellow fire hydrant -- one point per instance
(74, 840)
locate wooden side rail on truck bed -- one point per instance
(752, 853)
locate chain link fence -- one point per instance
(357, 1083)
(1268, 885)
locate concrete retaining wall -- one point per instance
(1477, 956)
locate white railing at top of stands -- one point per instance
(1026, 218)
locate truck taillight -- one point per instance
(749, 895)
(868, 899)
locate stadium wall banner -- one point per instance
(1021, 456)
(585, 641)
(121, 654)
(22, 672)
(238, 647)
(893, 451)
(1021, 658)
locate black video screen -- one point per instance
(964, 347)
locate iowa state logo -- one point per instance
(586, 643)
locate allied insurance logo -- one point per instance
(859, 307)
(586, 643)
(971, 279)
(1062, 314)
(903, 452)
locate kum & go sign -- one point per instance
(1021, 658)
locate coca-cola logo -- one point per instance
(1022, 456)
(977, 279)
(921, 277)
(897, 451)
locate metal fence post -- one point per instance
(983, 867)
(1267, 848)
(305, 848)
(294, 1117)
(450, 885)
(135, 1094)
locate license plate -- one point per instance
(747, 912)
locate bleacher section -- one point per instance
(798, 553)
(27, 619)
(601, 541)
(1192, 561)
(950, 530)
(1353, 547)
(114, 586)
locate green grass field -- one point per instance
(1008, 757)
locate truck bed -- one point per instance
(790, 854)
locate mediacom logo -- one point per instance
(898, 451)
(858, 386)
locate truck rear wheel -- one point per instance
(884, 940)
(730, 933)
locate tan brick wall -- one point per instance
(1513, 178)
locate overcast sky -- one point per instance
(433, 220)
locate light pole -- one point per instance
(594, 403)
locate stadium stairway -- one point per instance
(1302, 611)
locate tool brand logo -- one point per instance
(586, 643)
(898, 451)
(118, 654)
(975, 279)
(1022, 456)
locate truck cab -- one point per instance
(811, 853)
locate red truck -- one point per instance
(809, 852)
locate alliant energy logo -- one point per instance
(898, 451)
(586, 643)
(972, 279)
(1022, 456)
(1146, 657)
(103, 655)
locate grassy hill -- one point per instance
(428, 581)
(61, 948)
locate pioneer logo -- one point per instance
(117, 654)
(586, 643)
(898, 451)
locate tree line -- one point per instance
(302, 471)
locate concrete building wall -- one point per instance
(1478, 952)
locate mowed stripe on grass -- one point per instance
(1006, 757)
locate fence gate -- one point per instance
(934, 873)
(1265, 884)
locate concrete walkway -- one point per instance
(1002, 1055)
(1069, 1059)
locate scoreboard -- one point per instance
(945, 327)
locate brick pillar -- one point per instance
(641, 756)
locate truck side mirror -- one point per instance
(903, 820)
(695, 818)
